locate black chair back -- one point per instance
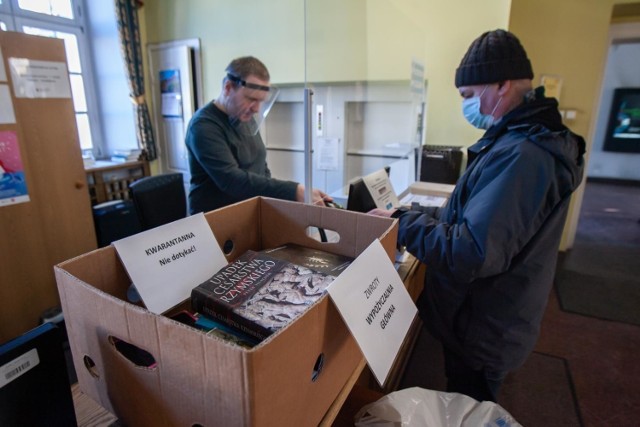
(159, 199)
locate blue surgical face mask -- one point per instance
(471, 111)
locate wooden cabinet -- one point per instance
(110, 181)
(55, 223)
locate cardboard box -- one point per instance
(429, 188)
(204, 380)
(426, 194)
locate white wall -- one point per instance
(623, 63)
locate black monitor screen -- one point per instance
(360, 199)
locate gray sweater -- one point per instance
(226, 165)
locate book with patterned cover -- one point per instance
(259, 294)
(315, 259)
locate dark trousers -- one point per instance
(481, 385)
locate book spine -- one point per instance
(203, 304)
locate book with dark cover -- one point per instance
(259, 294)
(226, 332)
(315, 259)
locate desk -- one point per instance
(359, 389)
(110, 180)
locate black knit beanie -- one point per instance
(493, 57)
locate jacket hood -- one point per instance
(538, 117)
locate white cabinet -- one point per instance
(369, 125)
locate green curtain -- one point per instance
(128, 28)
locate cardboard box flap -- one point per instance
(237, 227)
(101, 268)
(356, 230)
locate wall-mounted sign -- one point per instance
(39, 79)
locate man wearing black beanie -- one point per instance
(491, 251)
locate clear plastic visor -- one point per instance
(256, 103)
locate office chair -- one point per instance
(159, 199)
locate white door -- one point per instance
(175, 73)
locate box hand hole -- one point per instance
(139, 357)
(324, 235)
(91, 366)
(227, 248)
(317, 368)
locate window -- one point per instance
(61, 19)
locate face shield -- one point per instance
(252, 103)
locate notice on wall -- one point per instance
(328, 156)
(39, 79)
(376, 307)
(167, 262)
(13, 185)
(7, 114)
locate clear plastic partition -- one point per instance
(364, 67)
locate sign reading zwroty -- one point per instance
(376, 307)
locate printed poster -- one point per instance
(171, 93)
(13, 187)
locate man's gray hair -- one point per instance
(246, 66)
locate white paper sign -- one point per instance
(381, 190)
(328, 153)
(376, 307)
(39, 79)
(167, 262)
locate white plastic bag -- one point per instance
(418, 407)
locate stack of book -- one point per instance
(121, 156)
(262, 292)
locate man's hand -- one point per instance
(317, 197)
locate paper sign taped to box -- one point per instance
(167, 262)
(376, 307)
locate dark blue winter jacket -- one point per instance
(491, 252)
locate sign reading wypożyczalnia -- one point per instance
(376, 307)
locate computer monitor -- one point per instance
(34, 385)
(359, 199)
